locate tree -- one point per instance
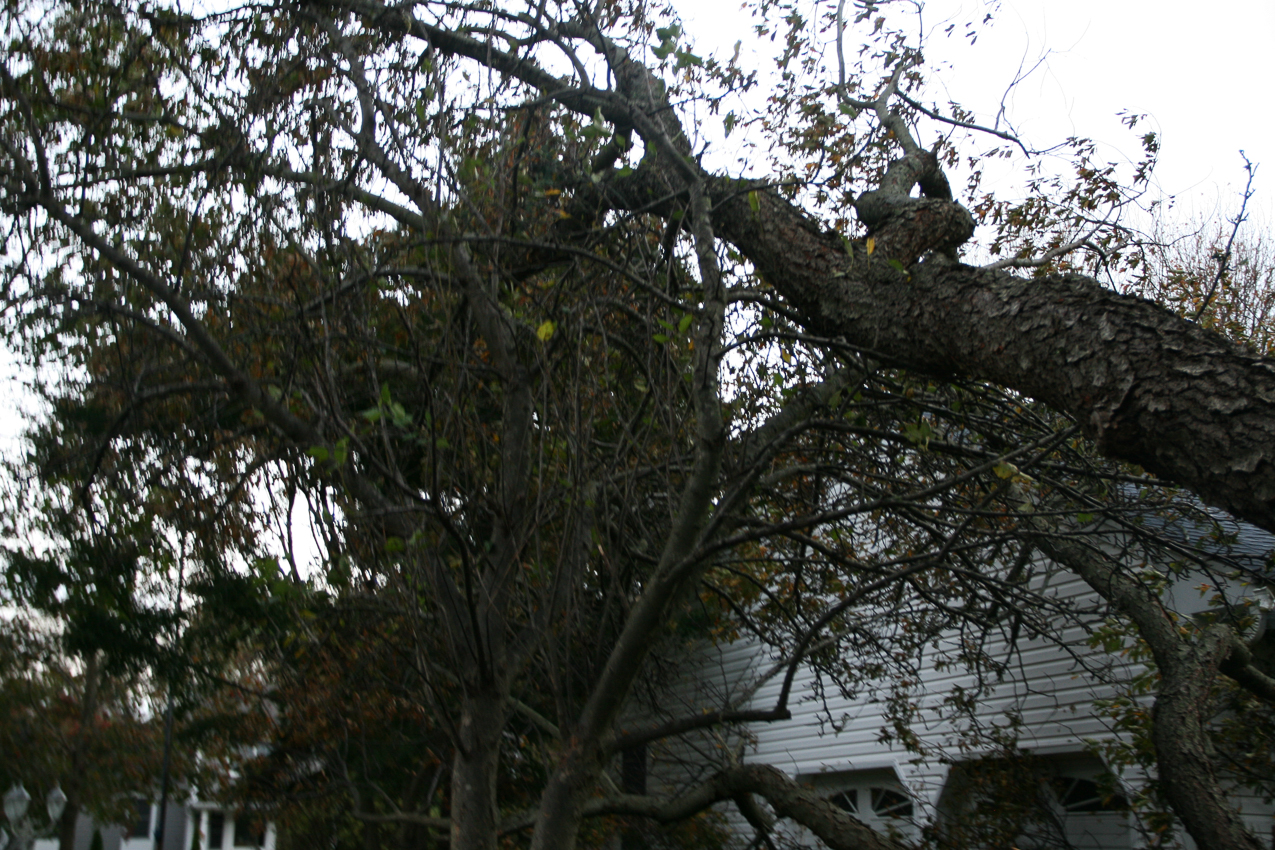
(559, 395)
(103, 583)
(68, 725)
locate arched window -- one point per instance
(847, 801)
(1084, 795)
(890, 803)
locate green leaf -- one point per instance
(685, 322)
(1005, 470)
(685, 59)
(319, 453)
(754, 201)
(661, 338)
(918, 433)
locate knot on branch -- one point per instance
(908, 227)
(877, 207)
(915, 226)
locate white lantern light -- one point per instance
(15, 803)
(56, 803)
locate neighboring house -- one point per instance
(835, 744)
(212, 828)
(190, 825)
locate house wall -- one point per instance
(201, 830)
(835, 741)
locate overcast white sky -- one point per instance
(1202, 72)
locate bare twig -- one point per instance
(1223, 258)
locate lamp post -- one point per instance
(25, 831)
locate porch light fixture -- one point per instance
(55, 803)
(16, 801)
(24, 832)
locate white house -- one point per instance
(847, 747)
(190, 825)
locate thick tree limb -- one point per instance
(1183, 703)
(837, 829)
(1150, 387)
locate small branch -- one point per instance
(893, 121)
(537, 719)
(1224, 259)
(842, 95)
(1048, 256)
(698, 721)
(1001, 134)
(405, 817)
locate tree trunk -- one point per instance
(474, 810)
(1182, 708)
(79, 755)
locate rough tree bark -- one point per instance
(1147, 386)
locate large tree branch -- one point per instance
(1150, 387)
(1183, 705)
(837, 829)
